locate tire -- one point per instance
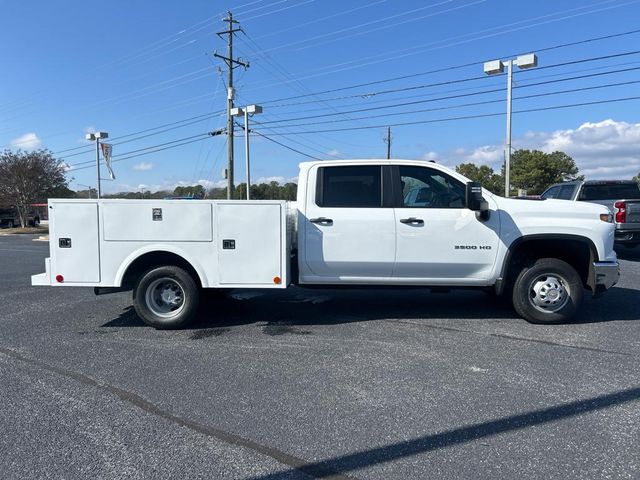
(166, 297)
(548, 291)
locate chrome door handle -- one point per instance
(412, 221)
(322, 221)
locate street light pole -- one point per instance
(245, 111)
(494, 67)
(507, 159)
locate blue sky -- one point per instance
(130, 66)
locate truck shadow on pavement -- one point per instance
(338, 467)
(285, 311)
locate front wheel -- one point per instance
(548, 291)
(166, 297)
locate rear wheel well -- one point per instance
(576, 252)
(156, 259)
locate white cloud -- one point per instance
(143, 166)
(605, 149)
(335, 153)
(430, 156)
(28, 141)
(601, 149)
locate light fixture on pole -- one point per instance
(496, 67)
(246, 111)
(97, 136)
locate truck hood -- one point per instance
(551, 208)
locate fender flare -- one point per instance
(500, 282)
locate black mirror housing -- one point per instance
(474, 200)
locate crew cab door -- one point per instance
(349, 233)
(437, 237)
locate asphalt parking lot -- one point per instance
(314, 384)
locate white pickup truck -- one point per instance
(355, 223)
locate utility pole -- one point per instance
(231, 64)
(388, 140)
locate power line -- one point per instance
(152, 149)
(465, 117)
(396, 54)
(463, 95)
(449, 82)
(463, 105)
(459, 66)
(191, 121)
(466, 89)
(204, 117)
(372, 22)
(286, 75)
(278, 10)
(305, 145)
(283, 145)
(321, 19)
(146, 148)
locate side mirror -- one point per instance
(474, 196)
(475, 202)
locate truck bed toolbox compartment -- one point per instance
(161, 221)
(251, 242)
(74, 242)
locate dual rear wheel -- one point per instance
(166, 297)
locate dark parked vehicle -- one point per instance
(9, 218)
(621, 197)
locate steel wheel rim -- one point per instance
(165, 298)
(549, 292)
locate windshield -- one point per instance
(610, 191)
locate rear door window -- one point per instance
(348, 187)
